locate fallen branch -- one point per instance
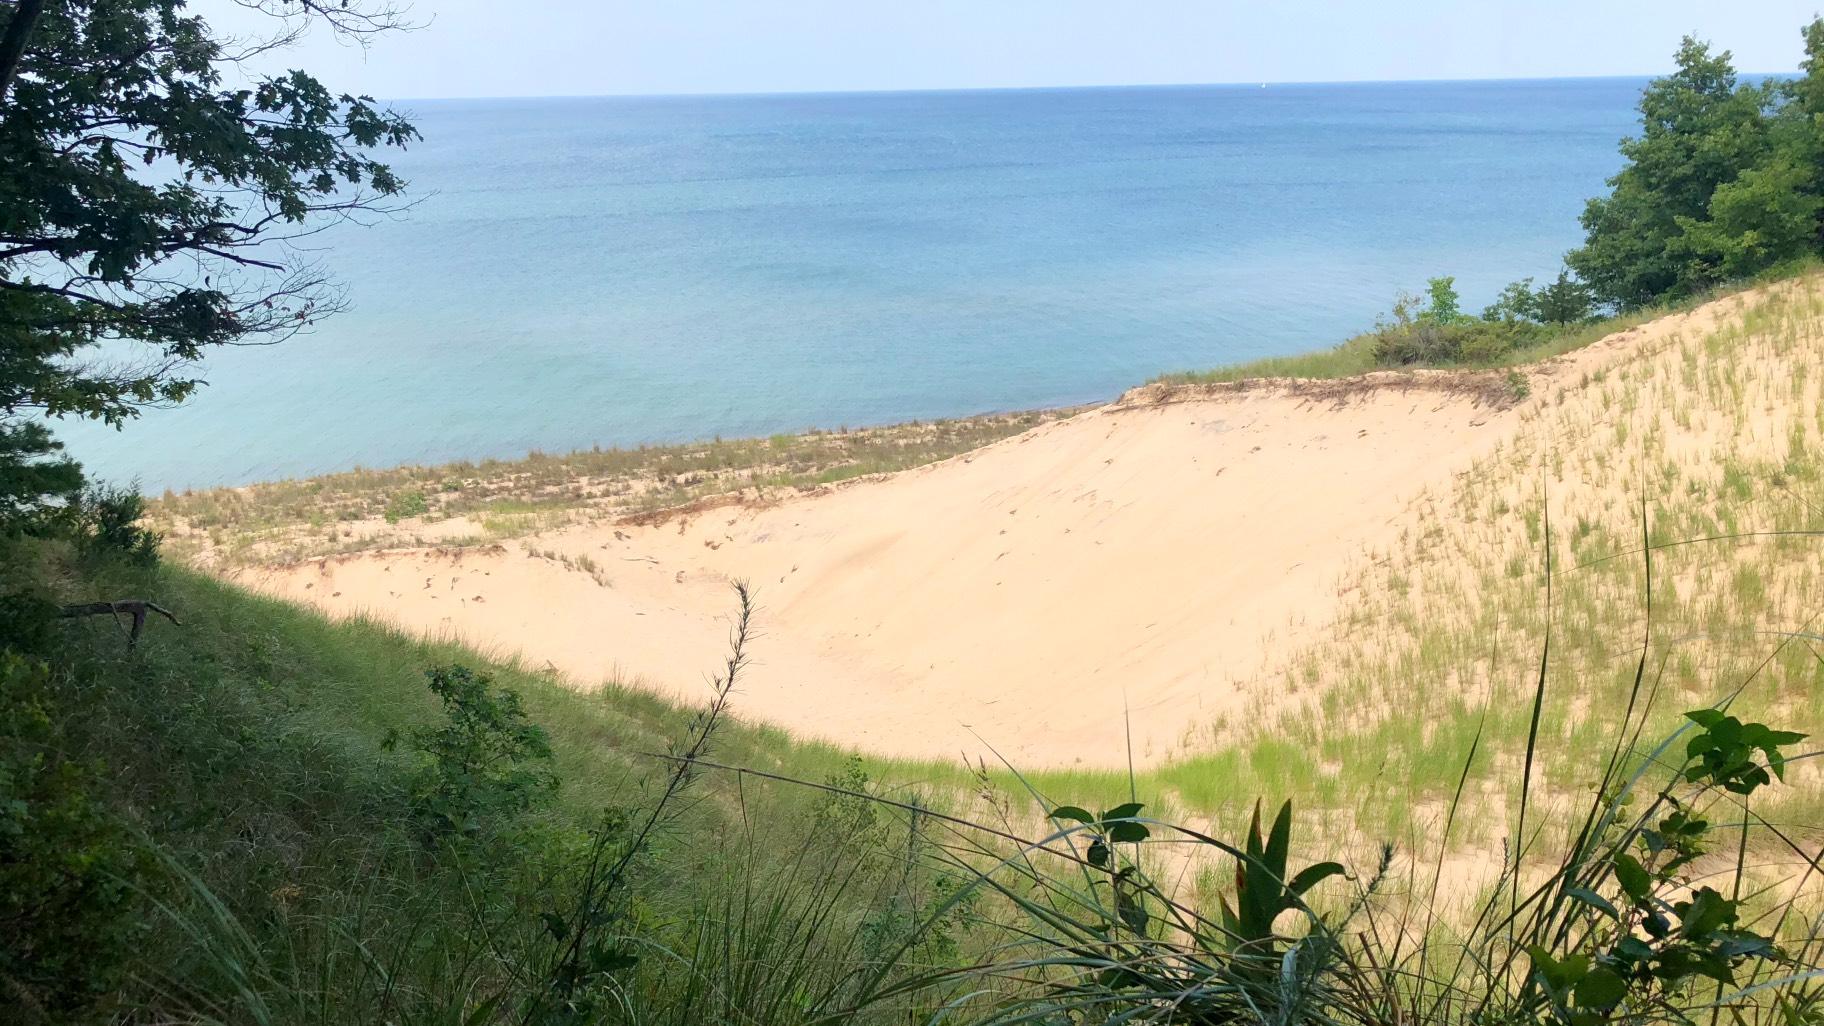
(136, 608)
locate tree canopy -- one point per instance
(1725, 180)
(152, 185)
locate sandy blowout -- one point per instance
(1129, 569)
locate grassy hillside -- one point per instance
(1706, 451)
(252, 824)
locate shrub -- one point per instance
(65, 865)
(108, 525)
(27, 607)
(1422, 342)
(1518, 385)
(1425, 341)
(406, 504)
(489, 761)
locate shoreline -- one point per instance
(649, 484)
(1316, 370)
(1168, 557)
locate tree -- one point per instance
(1801, 130)
(1700, 129)
(1514, 304)
(1764, 217)
(1445, 307)
(150, 182)
(1564, 301)
(1725, 181)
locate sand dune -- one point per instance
(1145, 558)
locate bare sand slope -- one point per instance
(1140, 558)
(1147, 556)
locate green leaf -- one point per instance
(1595, 901)
(1715, 968)
(1128, 811)
(1279, 843)
(1601, 989)
(1073, 812)
(1311, 876)
(1707, 911)
(1705, 718)
(1254, 848)
(1559, 974)
(1633, 949)
(1635, 881)
(1128, 833)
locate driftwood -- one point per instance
(136, 608)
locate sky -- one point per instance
(477, 48)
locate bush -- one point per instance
(66, 901)
(107, 525)
(488, 762)
(406, 504)
(1422, 342)
(27, 607)
(1439, 336)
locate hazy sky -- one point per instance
(597, 47)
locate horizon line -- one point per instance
(916, 90)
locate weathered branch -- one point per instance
(136, 608)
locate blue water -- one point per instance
(615, 271)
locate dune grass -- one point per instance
(1708, 454)
(493, 499)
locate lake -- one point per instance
(617, 271)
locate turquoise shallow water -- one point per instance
(616, 271)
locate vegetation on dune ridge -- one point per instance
(1705, 450)
(482, 502)
(1419, 336)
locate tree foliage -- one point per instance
(1723, 181)
(486, 760)
(151, 185)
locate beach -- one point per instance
(1129, 574)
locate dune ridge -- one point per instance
(1126, 571)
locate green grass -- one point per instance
(286, 877)
(1356, 355)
